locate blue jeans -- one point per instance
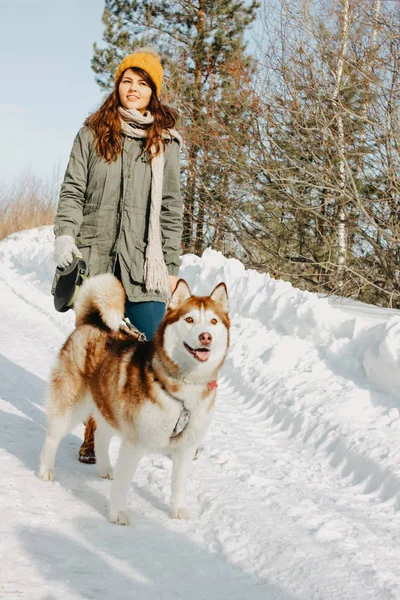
(146, 316)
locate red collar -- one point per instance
(212, 384)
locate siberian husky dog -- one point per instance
(158, 396)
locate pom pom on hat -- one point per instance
(145, 58)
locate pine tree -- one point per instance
(202, 44)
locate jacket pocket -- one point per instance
(137, 264)
(87, 236)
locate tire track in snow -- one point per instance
(311, 402)
(308, 502)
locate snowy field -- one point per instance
(296, 493)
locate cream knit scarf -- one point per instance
(134, 124)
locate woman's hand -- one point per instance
(173, 280)
(65, 250)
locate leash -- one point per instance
(139, 335)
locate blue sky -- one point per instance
(47, 87)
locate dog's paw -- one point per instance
(119, 517)
(106, 473)
(46, 474)
(180, 513)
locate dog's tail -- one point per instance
(101, 295)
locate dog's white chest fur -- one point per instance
(156, 422)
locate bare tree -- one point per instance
(322, 202)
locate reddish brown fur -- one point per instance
(206, 392)
(96, 367)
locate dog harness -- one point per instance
(184, 416)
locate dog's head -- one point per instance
(195, 330)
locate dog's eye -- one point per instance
(214, 321)
(189, 320)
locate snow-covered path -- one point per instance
(295, 495)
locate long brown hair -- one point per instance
(105, 122)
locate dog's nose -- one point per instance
(205, 338)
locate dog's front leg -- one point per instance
(180, 470)
(128, 459)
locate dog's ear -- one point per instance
(220, 296)
(180, 294)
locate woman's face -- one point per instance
(134, 92)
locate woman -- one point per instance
(120, 205)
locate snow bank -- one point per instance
(381, 358)
(27, 268)
(274, 303)
(278, 305)
(29, 255)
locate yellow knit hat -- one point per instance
(147, 59)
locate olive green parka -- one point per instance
(105, 207)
